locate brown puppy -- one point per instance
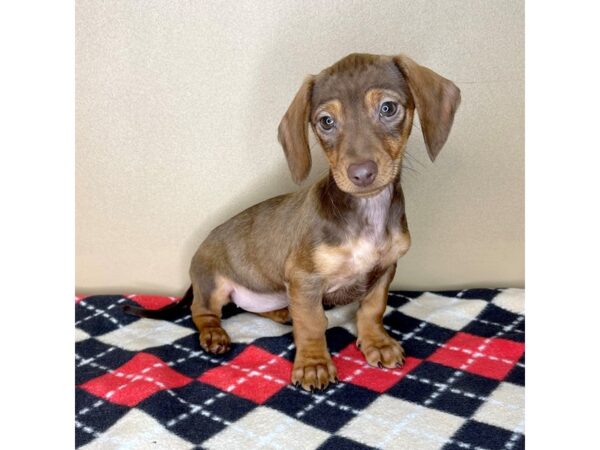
(338, 240)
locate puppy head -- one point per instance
(361, 111)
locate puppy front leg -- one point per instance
(378, 347)
(313, 368)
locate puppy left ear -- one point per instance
(293, 132)
(436, 99)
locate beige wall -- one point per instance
(178, 104)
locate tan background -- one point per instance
(178, 104)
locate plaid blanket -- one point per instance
(146, 384)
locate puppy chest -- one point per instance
(341, 265)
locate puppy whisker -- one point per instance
(338, 240)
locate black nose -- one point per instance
(362, 174)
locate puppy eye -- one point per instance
(388, 109)
(327, 123)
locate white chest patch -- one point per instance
(363, 255)
(374, 245)
(342, 265)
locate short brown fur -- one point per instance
(338, 240)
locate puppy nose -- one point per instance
(362, 174)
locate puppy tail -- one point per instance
(169, 312)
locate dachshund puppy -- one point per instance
(338, 240)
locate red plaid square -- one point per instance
(490, 357)
(352, 368)
(254, 374)
(136, 380)
(152, 301)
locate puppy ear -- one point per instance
(293, 132)
(436, 100)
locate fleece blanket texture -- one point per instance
(147, 384)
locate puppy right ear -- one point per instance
(293, 132)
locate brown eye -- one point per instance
(327, 123)
(388, 109)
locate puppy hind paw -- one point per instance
(215, 340)
(280, 316)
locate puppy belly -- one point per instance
(255, 302)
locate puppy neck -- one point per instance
(355, 216)
(374, 212)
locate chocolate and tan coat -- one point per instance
(338, 240)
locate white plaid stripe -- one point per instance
(97, 434)
(87, 428)
(450, 380)
(160, 325)
(142, 334)
(137, 429)
(340, 386)
(423, 380)
(202, 355)
(444, 386)
(317, 398)
(278, 431)
(192, 354)
(393, 425)
(320, 398)
(454, 313)
(194, 408)
(100, 312)
(404, 337)
(516, 434)
(119, 442)
(87, 409)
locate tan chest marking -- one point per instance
(341, 265)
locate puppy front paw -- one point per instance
(381, 350)
(313, 372)
(214, 340)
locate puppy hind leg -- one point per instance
(280, 316)
(209, 298)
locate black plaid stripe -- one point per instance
(195, 412)
(494, 319)
(198, 412)
(100, 314)
(329, 410)
(419, 338)
(342, 443)
(517, 374)
(93, 416)
(277, 345)
(479, 294)
(462, 398)
(186, 357)
(482, 435)
(92, 354)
